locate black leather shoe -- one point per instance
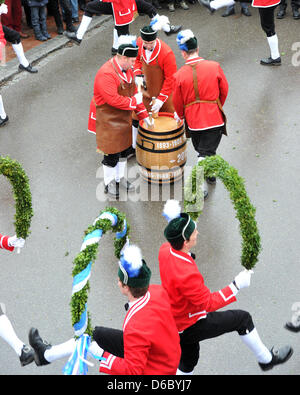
(71, 29)
(174, 29)
(296, 14)
(291, 327)
(112, 189)
(245, 11)
(27, 355)
(271, 62)
(126, 185)
(279, 356)
(211, 180)
(206, 4)
(73, 37)
(39, 345)
(280, 14)
(29, 68)
(3, 121)
(229, 11)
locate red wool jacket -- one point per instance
(264, 3)
(4, 243)
(151, 340)
(165, 58)
(190, 298)
(212, 84)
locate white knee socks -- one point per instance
(19, 51)
(8, 334)
(253, 341)
(134, 135)
(273, 44)
(120, 170)
(2, 110)
(109, 174)
(85, 22)
(60, 351)
(116, 40)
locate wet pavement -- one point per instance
(47, 134)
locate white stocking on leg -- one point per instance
(273, 44)
(85, 22)
(8, 334)
(253, 341)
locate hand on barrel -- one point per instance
(156, 105)
(140, 82)
(149, 121)
(139, 98)
(176, 117)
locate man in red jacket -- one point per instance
(7, 332)
(148, 343)
(194, 306)
(200, 91)
(266, 10)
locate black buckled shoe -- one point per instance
(296, 13)
(27, 355)
(112, 189)
(292, 327)
(72, 36)
(174, 29)
(29, 68)
(39, 345)
(3, 121)
(206, 4)
(245, 11)
(279, 356)
(271, 62)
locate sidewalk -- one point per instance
(36, 50)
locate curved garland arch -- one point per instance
(216, 166)
(13, 171)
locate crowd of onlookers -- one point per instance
(66, 12)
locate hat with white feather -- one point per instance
(149, 32)
(133, 270)
(180, 226)
(127, 46)
(186, 40)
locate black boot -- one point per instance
(173, 29)
(279, 356)
(39, 346)
(296, 14)
(229, 11)
(3, 121)
(293, 327)
(281, 13)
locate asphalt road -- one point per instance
(47, 135)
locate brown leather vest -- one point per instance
(113, 125)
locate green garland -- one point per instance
(215, 166)
(22, 195)
(89, 254)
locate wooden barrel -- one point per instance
(161, 150)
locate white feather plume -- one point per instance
(126, 39)
(186, 35)
(133, 256)
(172, 209)
(159, 21)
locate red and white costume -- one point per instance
(4, 243)
(212, 85)
(190, 298)
(151, 340)
(106, 86)
(264, 3)
(124, 11)
(161, 58)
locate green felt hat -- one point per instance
(180, 228)
(141, 280)
(148, 34)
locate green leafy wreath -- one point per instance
(216, 166)
(110, 219)
(21, 190)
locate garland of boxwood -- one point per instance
(84, 260)
(21, 190)
(215, 166)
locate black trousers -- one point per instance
(215, 324)
(267, 19)
(96, 7)
(111, 340)
(206, 142)
(10, 35)
(112, 160)
(53, 8)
